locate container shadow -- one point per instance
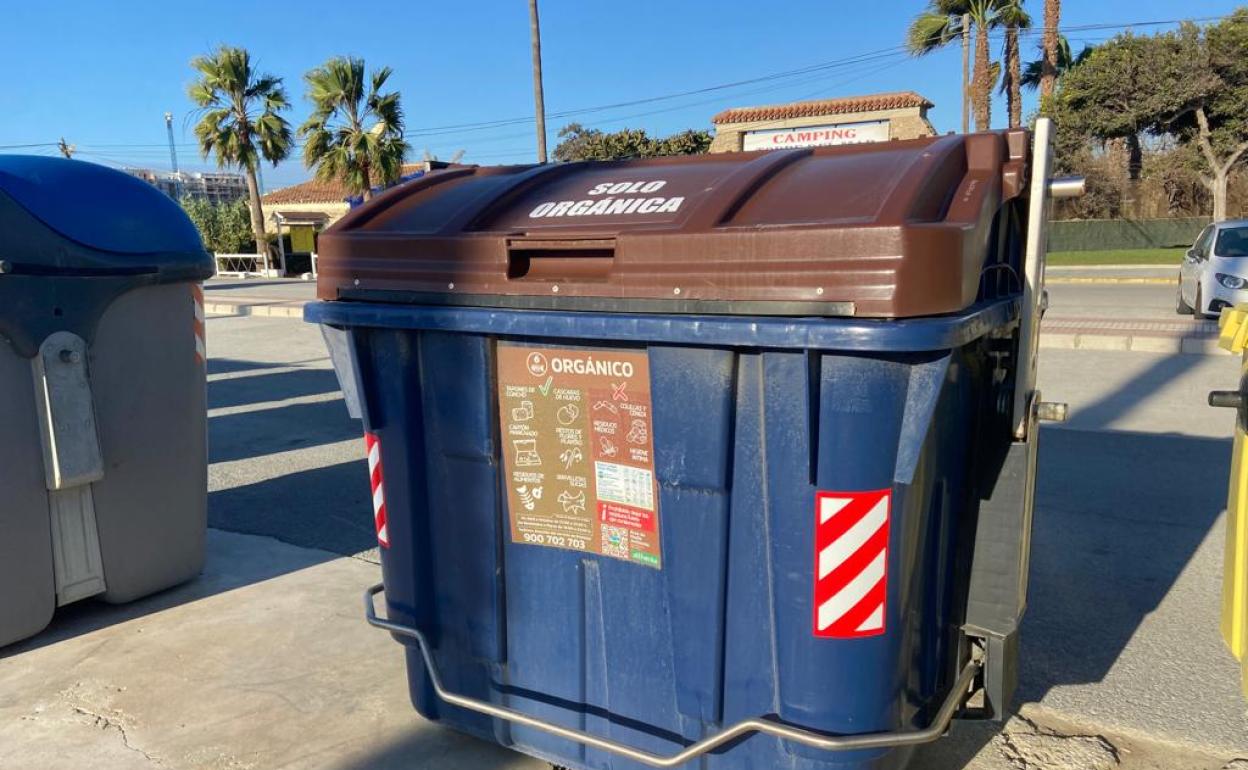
(245, 435)
(231, 365)
(328, 508)
(1118, 517)
(231, 562)
(432, 747)
(273, 386)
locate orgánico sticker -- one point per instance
(577, 431)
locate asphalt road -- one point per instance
(1137, 301)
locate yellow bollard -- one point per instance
(1233, 336)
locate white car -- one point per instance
(1214, 273)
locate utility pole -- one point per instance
(66, 149)
(173, 157)
(536, 36)
(966, 73)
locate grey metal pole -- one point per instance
(540, 101)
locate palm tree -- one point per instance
(1033, 73)
(941, 24)
(355, 133)
(1049, 65)
(1012, 16)
(241, 121)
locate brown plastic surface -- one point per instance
(893, 230)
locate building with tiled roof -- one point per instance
(846, 120)
(317, 197)
(299, 213)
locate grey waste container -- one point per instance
(103, 449)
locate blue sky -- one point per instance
(102, 74)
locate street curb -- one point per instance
(1136, 343)
(1110, 268)
(1108, 280)
(259, 309)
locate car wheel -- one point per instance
(1181, 307)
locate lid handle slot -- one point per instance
(581, 261)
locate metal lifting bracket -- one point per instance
(939, 724)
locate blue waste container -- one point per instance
(703, 462)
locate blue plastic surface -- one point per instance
(752, 416)
(907, 335)
(97, 206)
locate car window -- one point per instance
(1202, 243)
(1232, 242)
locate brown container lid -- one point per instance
(893, 229)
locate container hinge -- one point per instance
(71, 461)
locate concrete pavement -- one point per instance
(265, 662)
(262, 663)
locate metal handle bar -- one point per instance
(827, 742)
(1226, 398)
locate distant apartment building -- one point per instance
(212, 186)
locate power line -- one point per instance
(866, 63)
(856, 59)
(797, 76)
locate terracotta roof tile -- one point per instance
(316, 191)
(868, 103)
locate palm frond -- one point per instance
(952, 7)
(230, 93)
(380, 76)
(932, 30)
(1033, 71)
(354, 134)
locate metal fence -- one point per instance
(1098, 234)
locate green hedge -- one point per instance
(1100, 234)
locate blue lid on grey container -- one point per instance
(115, 222)
(74, 237)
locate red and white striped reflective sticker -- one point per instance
(851, 563)
(197, 298)
(373, 445)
